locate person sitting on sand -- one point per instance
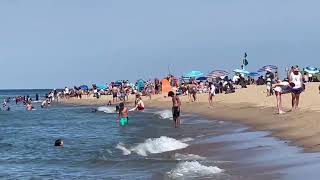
(176, 107)
(139, 103)
(123, 114)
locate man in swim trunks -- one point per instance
(176, 106)
(123, 114)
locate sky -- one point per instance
(57, 43)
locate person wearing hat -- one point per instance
(296, 83)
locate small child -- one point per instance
(278, 92)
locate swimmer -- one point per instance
(59, 143)
(109, 103)
(123, 114)
(44, 104)
(29, 106)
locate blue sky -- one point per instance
(53, 43)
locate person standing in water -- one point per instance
(139, 103)
(29, 106)
(123, 115)
(176, 108)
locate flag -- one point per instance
(245, 62)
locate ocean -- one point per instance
(96, 147)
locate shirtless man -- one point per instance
(123, 115)
(176, 105)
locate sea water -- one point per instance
(96, 147)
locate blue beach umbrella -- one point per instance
(311, 70)
(264, 68)
(253, 74)
(102, 87)
(202, 78)
(241, 71)
(84, 87)
(194, 74)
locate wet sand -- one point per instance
(251, 107)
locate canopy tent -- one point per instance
(264, 68)
(102, 87)
(311, 70)
(165, 87)
(241, 71)
(218, 73)
(194, 74)
(140, 85)
(84, 88)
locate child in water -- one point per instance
(123, 115)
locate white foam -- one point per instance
(193, 169)
(165, 114)
(188, 157)
(125, 151)
(154, 146)
(158, 145)
(186, 140)
(106, 109)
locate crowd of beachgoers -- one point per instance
(215, 83)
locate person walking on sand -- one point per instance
(212, 93)
(278, 92)
(296, 84)
(176, 108)
(123, 115)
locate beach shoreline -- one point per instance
(249, 107)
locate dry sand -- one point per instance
(251, 107)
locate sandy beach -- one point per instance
(250, 107)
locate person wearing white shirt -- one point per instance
(296, 81)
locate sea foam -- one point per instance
(192, 170)
(188, 157)
(165, 114)
(154, 146)
(106, 109)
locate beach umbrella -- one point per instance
(202, 78)
(264, 68)
(241, 71)
(84, 87)
(253, 74)
(102, 87)
(218, 73)
(311, 70)
(194, 74)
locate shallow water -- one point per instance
(148, 148)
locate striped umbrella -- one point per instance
(218, 73)
(264, 68)
(311, 70)
(241, 71)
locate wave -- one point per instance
(188, 157)
(192, 170)
(125, 151)
(154, 146)
(165, 114)
(106, 109)
(186, 140)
